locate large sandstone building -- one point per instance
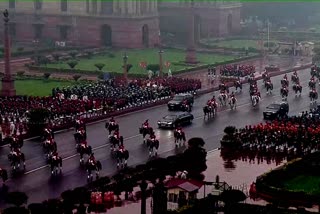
(118, 23)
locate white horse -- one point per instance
(255, 100)
(223, 98)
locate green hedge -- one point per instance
(268, 183)
(40, 51)
(250, 49)
(133, 75)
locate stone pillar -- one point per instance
(134, 7)
(191, 53)
(8, 88)
(138, 7)
(160, 63)
(125, 67)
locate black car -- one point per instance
(276, 110)
(173, 121)
(177, 102)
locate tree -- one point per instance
(37, 120)
(99, 66)
(73, 54)
(15, 210)
(43, 60)
(72, 64)
(56, 56)
(194, 157)
(17, 198)
(231, 197)
(37, 208)
(76, 77)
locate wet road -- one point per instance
(39, 185)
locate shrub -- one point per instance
(76, 77)
(20, 73)
(89, 54)
(46, 76)
(43, 60)
(153, 67)
(72, 64)
(2, 50)
(99, 66)
(17, 198)
(283, 29)
(73, 54)
(229, 130)
(313, 30)
(111, 55)
(20, 49)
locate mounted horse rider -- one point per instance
(55, 163)
(15, 141)
(47, 133)
(122, 156)
(313, 95)
(179, 136)
(84, 149)
(232, 100)
(238, 84)
(80, 124)
(284, 81)
(93, 165)
(115, 140)
(15, 157)
(255, 97)
(80, 135)
(145, 129)
(297, 88)
(284, 92)
(111, 125)
(153, 145)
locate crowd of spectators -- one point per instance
(237, 70)
(90, 100)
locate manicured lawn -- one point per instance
(38, 87)
(150, 56)
(304, 183)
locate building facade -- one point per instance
(117, 23)
(213, 18)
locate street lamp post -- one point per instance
(160, 63)
(191, 53)
(143, 186)
(36, 52)
(125, 67)
(8, 88)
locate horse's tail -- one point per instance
(99, 165)
(121, 139)
(22, 157)
(89, 149)
(126, 155)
